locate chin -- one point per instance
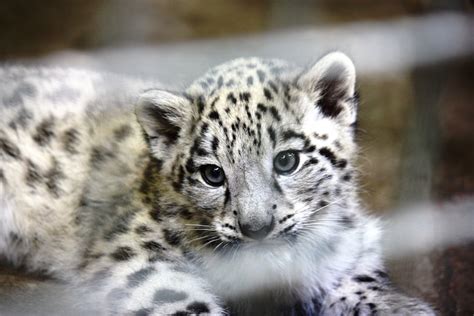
(282, 266)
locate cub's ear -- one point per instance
(330, 82)
(162, 114)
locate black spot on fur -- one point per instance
(44, 132)
(374, 288)
(138, 277)
(244, 96)
(227, 196)
(326, 152)
(372, 306)
(142, 230)
(181, 313)
(153, 246)
(185, 213)
(381, 274)
(69, 140)
(262, 108)
(347, 221)
(323, 204)
(123, 253)
(215, 144)
(122, 132)
(275, 113)
(267, 94)
(341, 164)
(33, 174)
(9, 149)
(200, 104)
(52, 177)
(171, 237)
(214, 115)
(277, 186)
(213, 103)
(100, 154)
(356, 311)
(190, 167)
(288, 134)
(155, 215)
(272, 134)
(178, 184)
(198, 307)
(231, 98)
(364, 278)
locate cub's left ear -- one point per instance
(330, 83)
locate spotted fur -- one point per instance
(119, 205)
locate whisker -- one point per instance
(200, 229)
(199, 225)
(199, 238)
(207, 243)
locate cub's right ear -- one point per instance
(162, 114)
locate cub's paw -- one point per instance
(193, 308)
(343, 307)
(161, 301)
(367, 305)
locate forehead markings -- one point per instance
(329, 154)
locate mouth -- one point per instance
(284, 238)
(211, 241)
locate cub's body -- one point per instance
(111, 185)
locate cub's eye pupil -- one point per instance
(286, 162)
(213, 175)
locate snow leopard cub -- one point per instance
(235, 196)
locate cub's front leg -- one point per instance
(371, 294)
(140, 287)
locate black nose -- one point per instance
(259, 233)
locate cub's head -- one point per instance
(257, 153)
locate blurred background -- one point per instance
(415, 65)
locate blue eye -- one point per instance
(213, 175)
(286, 162)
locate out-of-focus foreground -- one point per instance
(415, 65)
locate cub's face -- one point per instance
(256, 153)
